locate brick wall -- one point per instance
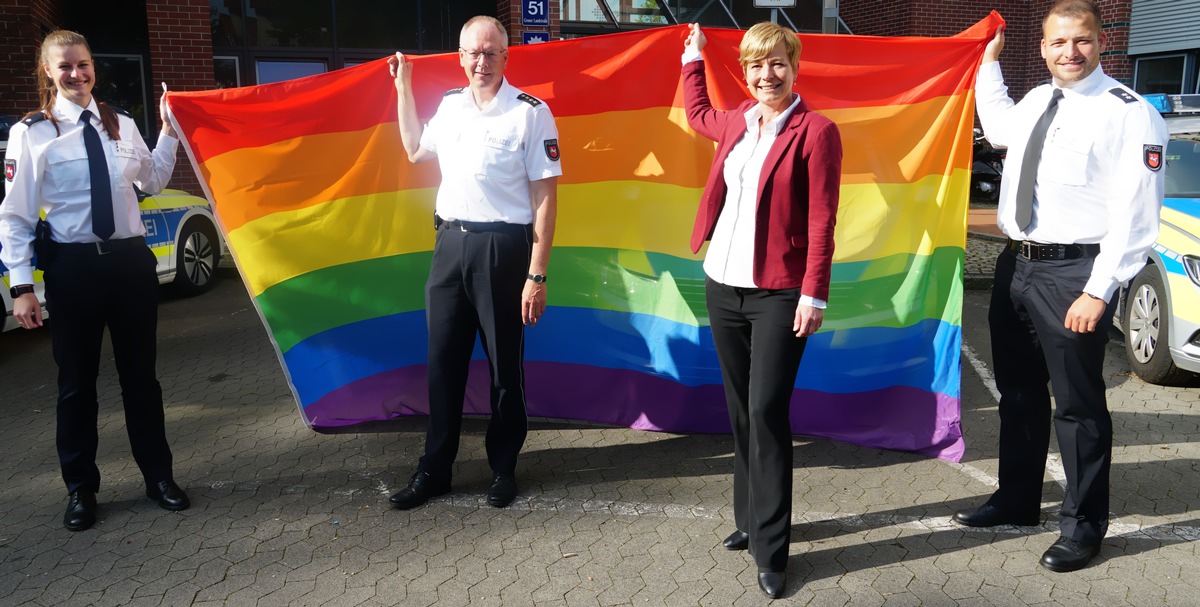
(1115, 59)
(1021, 60)
(21, 31)
(181, 56)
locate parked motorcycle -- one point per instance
(986, 166)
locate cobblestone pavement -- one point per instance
(984, 243)
(980, 261)
(607, 516)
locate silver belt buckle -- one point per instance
(100, 248)
(1025, 250)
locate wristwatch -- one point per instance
(538, 278)
(19, 290)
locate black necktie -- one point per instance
(1029, 163)
(102, 203)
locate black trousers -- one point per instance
(1030, 346)
(85, 292)
(759, 355)
(475, 284)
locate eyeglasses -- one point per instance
(489, 55)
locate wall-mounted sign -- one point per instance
(774, 3)
(537, 12)
(534, 37)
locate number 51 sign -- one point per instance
(535, 12)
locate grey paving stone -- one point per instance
(607, 516)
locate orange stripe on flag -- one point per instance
(252, 183)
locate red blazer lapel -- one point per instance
(784, 141)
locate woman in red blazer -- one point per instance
(768, 211)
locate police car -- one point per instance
(181, 231)
(1159, 312)
(6, 123)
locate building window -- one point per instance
(228, 23)
(290, 23)
(261, 41)
(277, 71)
(370, 24)
(121, 81)
(226, 72)
(624, 11)
(588, 17)
(1160, 74)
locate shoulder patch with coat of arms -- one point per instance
(10, 169)
(1152, 156)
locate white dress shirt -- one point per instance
(489, 155)
(730, 256)
(1094, 184)
(51, 174)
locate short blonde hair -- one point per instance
(486, 19)
(760, 40)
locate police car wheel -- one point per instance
(197, 253)
(1147, 323)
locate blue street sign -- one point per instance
(535, 12)
(534, 37)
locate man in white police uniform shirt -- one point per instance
(497, 149)
(1080, 197)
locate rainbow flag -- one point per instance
(332, 231)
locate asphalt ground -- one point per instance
(282, 515)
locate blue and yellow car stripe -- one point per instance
(1179, 234)
(164, 216)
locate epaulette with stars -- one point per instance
(1123, 94)
(454, 91)
(530, 99)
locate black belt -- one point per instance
(478, 226)
(1051, 252)
(100, 248)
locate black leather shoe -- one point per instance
(169, 496)
(772, 583)
(81, 510)
(421, 488)
(503, 490)
(1069, 555)
(738, 540)
(988, 515)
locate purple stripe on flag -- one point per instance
(880, 418)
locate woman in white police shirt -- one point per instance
(98, 270)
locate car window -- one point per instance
(1183, 168)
